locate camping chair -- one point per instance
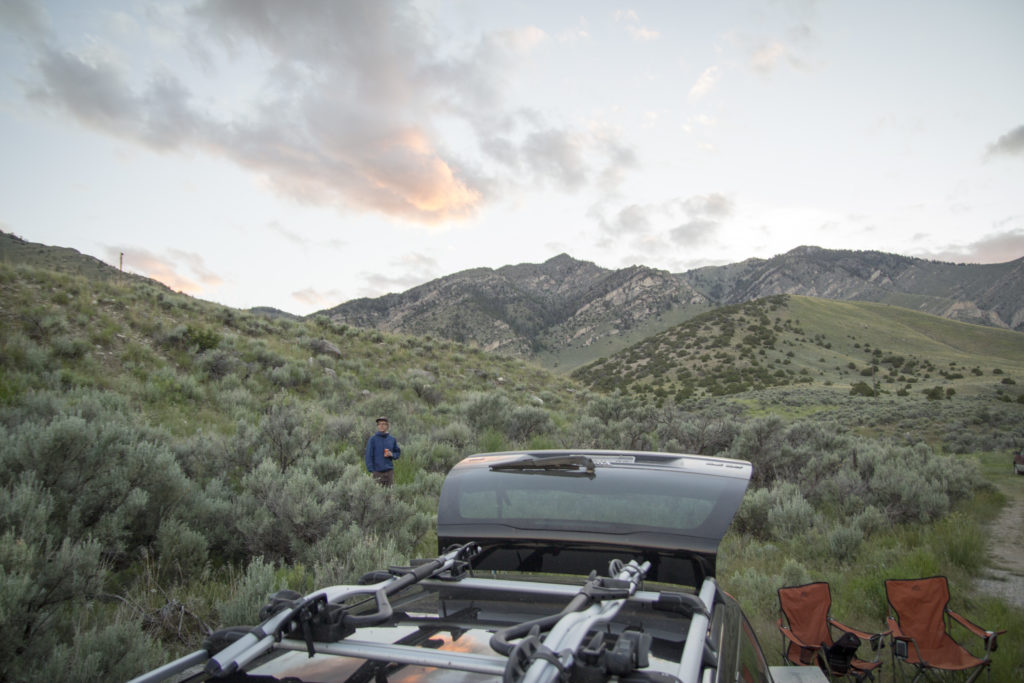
(920, 624)
(807, 639)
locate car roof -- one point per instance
(564, 511)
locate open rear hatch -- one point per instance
(567, 512)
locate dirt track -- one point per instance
(1006, 577)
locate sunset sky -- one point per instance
(299, 154)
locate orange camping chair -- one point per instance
(807, 639)
(920, 624)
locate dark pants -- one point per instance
(385, 478)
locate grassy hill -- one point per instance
(166, 463)
(861, 347)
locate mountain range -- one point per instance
(571, 311)
(566, 312)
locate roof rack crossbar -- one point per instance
(471, 662)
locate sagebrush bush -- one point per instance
(458, 435)
(488, 411)
(844, 541)
(112, 652)
(525, 422)
(349, 552)
(790, 515)
(249, 592)
(181, 552)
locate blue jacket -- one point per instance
(375, 460)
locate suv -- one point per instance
(571, 565)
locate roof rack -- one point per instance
(537, 651)
(321, 614)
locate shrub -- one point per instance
(844, 541)
(200, 339)
(284, 434)
(181, 552)
(107, 480)
(115, 652)
(861, 389)
(458, 435)
(249, 593)
(72, 348)
(957, 540)
(754, 589)
(794, 573)
(752, 516)
(759, 442)
(349, 552)
(528, 421)
(487, 411)
(46, 575)
(790, 514)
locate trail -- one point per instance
(1005, 579)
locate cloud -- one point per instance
(712, 205)
(312, 298)
(557, 155)
(695, 220)
(635, 31)
(705, 213)
(698, 231)
(168, 269)
(401, 273)
(24, 18)
(195, 264)
(767, 56)
(99, 95)
(642, 33)
(334, 104)
(1010, 144)
(999, 247)
(632, 219)
(705, 83)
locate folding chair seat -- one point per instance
(920, 622)
(807, 633)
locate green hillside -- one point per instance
(166, 463)
(784, 341)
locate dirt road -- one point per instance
(1006, 577)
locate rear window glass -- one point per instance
(630, 498)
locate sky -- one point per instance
(299, 154)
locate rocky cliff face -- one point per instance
(526, 308)
(988, 294)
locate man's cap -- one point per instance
(383, 419)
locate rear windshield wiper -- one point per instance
(568, 464)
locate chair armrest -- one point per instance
(863, 635)
(988, 636)
(901, 643)
(967, 624)
(791, 636)
(894, 629)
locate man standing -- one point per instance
(381, 452)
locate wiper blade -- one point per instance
(560, 463)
